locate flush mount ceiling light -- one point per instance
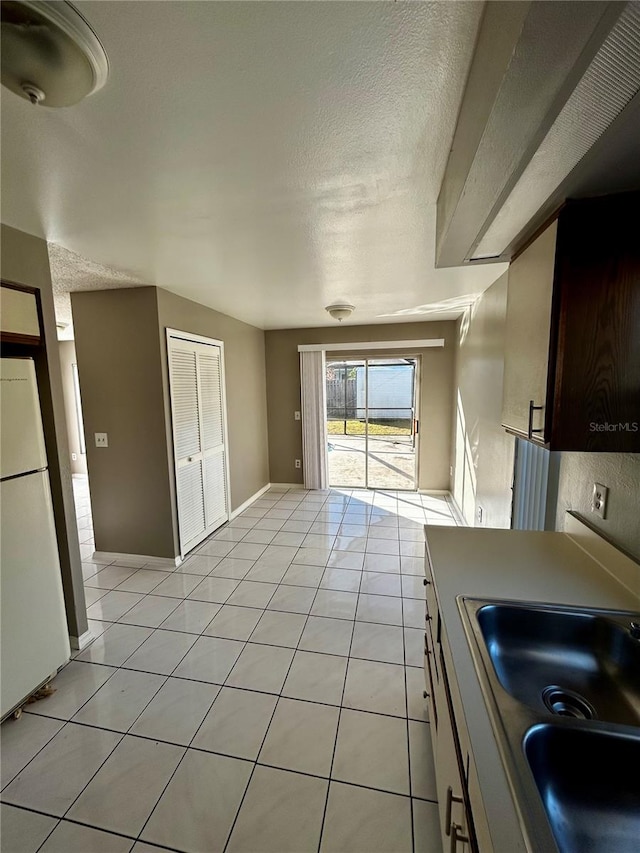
(340, 310)
(50, 54)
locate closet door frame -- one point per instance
(192, 338)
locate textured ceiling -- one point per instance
(264, 159)
(70, 272)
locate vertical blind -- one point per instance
(314, 419)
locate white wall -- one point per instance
(67, 360)
(483, 451)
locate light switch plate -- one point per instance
(296, 416)
(101, 439)
(599, 500)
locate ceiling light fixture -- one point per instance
(340, 310)
(50, 54)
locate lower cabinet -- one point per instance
(454, 819)
(452, 756)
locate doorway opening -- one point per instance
(372, 424)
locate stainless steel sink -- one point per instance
(576, 664)
(562, 687)
(590, 786)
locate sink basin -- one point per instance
(562, 688)
(590, 786)
(574, 664)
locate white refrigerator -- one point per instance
(34, 634)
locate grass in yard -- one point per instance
(354, 427)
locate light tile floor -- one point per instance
(264, 696)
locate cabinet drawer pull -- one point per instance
(454, 831)
(451, 799)
(532, 409)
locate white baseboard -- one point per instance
(81, 642)
(433, 491)
(456, 511)
(286, 485)
(240, 509)
(248, 502)
(136, 561)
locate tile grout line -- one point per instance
(406, 698)
(123, 735)
(100, 766)
(189, 746)
(335, 743)
(80, 823)
(304, 773)
(198, 729)
(233, 687)
(113, 731)
(44, 745)
(246, 642)
(275, 708)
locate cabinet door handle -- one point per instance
(454, 831)
(532, 409)
(451, 799)
(432, 694)
(426, 582)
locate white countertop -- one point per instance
(507, 564)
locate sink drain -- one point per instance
(566, 703)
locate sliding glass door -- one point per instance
(372, 423)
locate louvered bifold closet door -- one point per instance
(213, 445)
(185, 409)
(197, 407)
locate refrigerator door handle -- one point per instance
(22, 474)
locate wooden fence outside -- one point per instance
(341, 398)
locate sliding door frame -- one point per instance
(365, 358)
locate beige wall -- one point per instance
(621, 473)
(25, 260)
(283, 393)
(484, 471)
(121, 349)
(483, 451)
(119, 356)
(245, 388)
(67, 360)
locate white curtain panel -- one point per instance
(314, 420)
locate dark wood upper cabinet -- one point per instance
(575, 292)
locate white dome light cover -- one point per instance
(50, 54)
(340, 310)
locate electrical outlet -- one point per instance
(74, 457)
(599, 500)
(298, 463)
(296, 416)
(102, 439)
